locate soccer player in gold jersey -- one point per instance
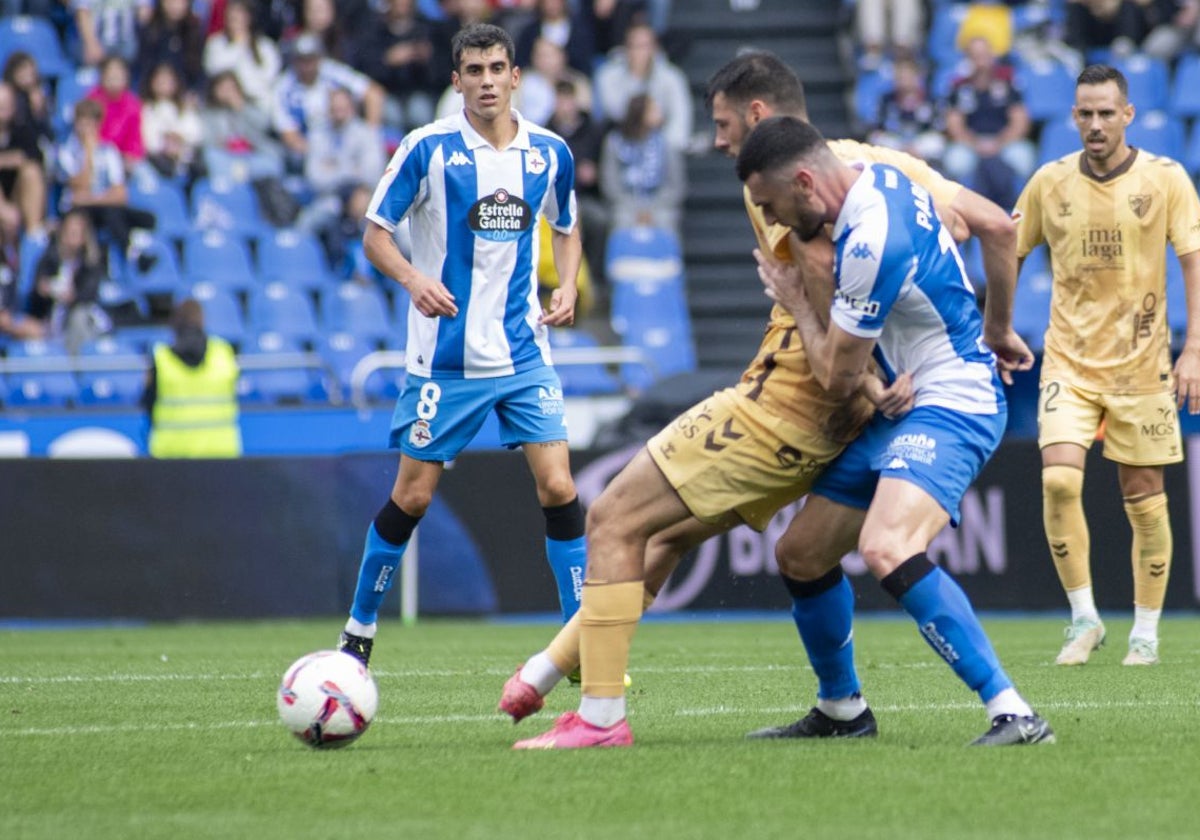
(1107, 216)
(738, 457)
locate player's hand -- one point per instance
(1187, 380)
(431, 298)
(783, 283)
(561, 312)
(893, 400)
(1012, 353)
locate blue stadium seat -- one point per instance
(163, 198)
(1149, 81)
(649, 301)
(283, 384)
(220, 258)
(1191, 151)
(222, 312)
(32, 248)
(585, 380)
(341, 352)
(1059, 137)
(37, 37)
(1031, 306)
(294, 257)
(41, 389)
(227, 205)
(143, 337)
(1047, 87)
(276, 307)
(1157, 133)
(116, 387)
(1176, 296)
(355, 308)
(162, 278)
(943, 33)
(68, 90)
(869, 90)
(1185, 87)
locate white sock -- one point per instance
(540, 673)
(1008, 702)
(1145, 623)
(357, 628)
(1083, 604)
(602, 711)
(842, 708)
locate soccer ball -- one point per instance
(327, 699)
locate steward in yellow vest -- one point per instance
(192, 392)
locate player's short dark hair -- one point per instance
(758, 74)
(776, 141)
(481, 36)
(1098, 74)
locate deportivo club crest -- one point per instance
(1139, 204)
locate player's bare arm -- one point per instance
(429, 296)
(838, 359)
(1187, 366)
(568, 250)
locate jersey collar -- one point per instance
(475, 140)
(1126, 165)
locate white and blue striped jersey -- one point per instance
(900, 280)
(474, 215)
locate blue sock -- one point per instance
(823, 610)
(566, 549)
(948, 623)
(568, 558)
(387, 537)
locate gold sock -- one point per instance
(1066, 526)
(1152, 545)
(563, 650)
(608, 616)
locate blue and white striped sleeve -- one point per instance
(873, 265)
(403, 185)
(560, 204)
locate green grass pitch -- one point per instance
(169, 731)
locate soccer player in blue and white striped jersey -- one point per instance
(473, 186)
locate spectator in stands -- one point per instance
(641, 67)
(22, 178)
(988, 128)
(109, 27)
(343, 155)
(332, 26)
(171, 130)
(121, 120)
(66, 285)
(302, 95)
(33, 106)
(572, 122)
(641, 173)
(456, 15)
(14, 321)
(241, 47)
(1173, 28)
(396, 51)
(93, 177)
(556, 23)
(611, 19)
(191, 391)
(908, 119)
(173, 34)
(1104, 24)
(237, 134)
(883, 25)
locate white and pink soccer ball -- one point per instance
(327, 699)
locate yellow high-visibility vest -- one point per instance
(195, 413)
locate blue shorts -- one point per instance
(435, 419)
(938, 449)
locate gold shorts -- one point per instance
(1140, 430)
(732, 462)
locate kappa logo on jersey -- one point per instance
(535, 164)
(419, 435)
(550, 400)
(500, 217)
(861, 251)
(458, 159)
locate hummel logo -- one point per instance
(458, 159)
